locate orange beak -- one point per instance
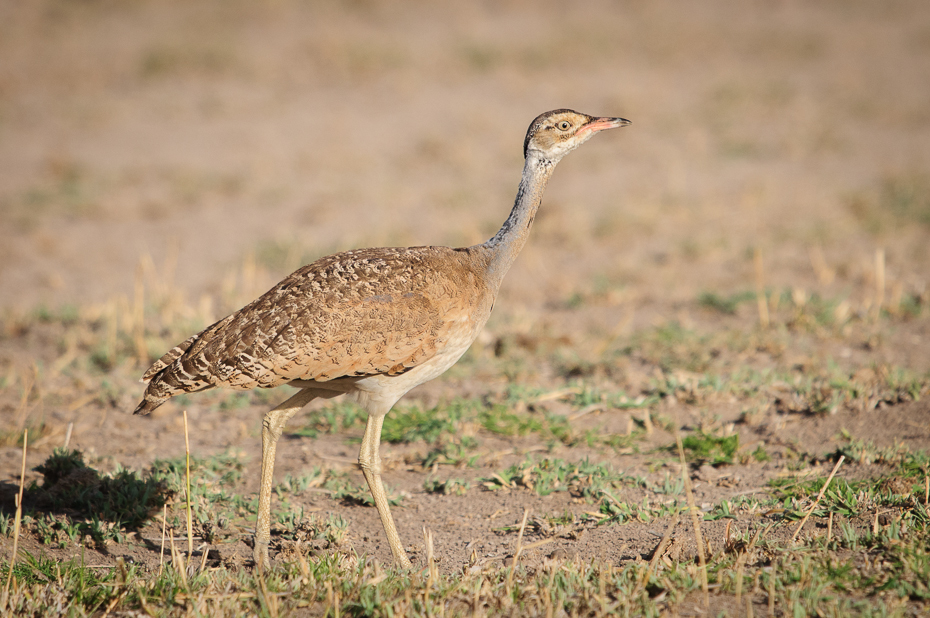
(602, 124)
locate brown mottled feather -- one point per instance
(359, 313)
(168, 358)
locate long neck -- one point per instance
(509, 240)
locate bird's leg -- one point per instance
(370, 462)
(272, 426)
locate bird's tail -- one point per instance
(163, 387)
(178, 371)
(148, 404)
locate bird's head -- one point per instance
(554, 134)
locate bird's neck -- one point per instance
(504, 247)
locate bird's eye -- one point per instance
(564, 125)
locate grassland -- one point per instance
(589, 457)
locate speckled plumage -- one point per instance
(359, 313)
(371, 323)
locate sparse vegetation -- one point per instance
(122, 499)
(898, 201)
(75, 508)
(715, 450)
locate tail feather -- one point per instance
(184, 369)
(146, 406)
(171, 356)
(159, 391)
(168, 376)
(165, 385)
(156, 393)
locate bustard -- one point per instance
(370, 323)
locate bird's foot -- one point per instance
(403, 562)
(260, 555)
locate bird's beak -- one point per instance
(601, 124)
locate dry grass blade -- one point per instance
(771, 593)
(879, 281)
(658, 553)
(271, 601)
(539, 543)
(332, 600)
(123, 587)
(304, 566)
(557, 394)
(187, 476)
(204, 554)
(739, 579)
(516, 554)
(68, 435)
(761, 296)
(756, 537)
(164, 527)
(698, 537)
(594, 407)
(433, 572)
(17, 522)
(22, 410)
(177, 559)
(819, 496)
(825, 275)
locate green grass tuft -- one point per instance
(70, 486)
(715, 450)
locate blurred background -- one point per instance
(194, 153)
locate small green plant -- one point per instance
(212, 481)
(411, 423)
(6, 524)
(122, 498)
(715, 450)
(34, 429)
(291, 485)
(671, 347)
(81, 588)
(456, 487)
(725, 304)
(852, 498)
(720, 511)
(672, 485)
(453, 454)
(592, 482)
(336, 529)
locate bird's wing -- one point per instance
(378, 334)
(375, 311)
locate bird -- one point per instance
(368, 323)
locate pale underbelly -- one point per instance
(378, 393)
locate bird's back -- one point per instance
(367, 312)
